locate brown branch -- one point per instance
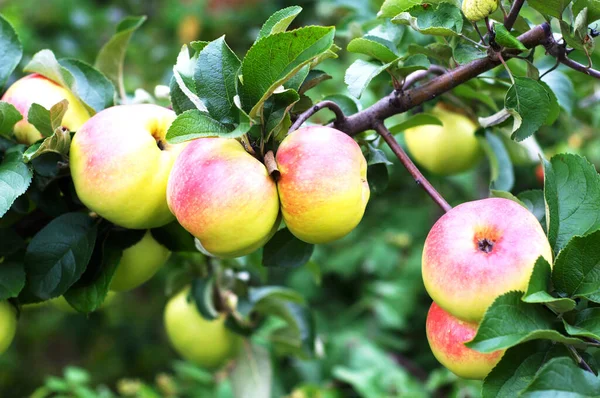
(419, 75)
(410, 166)
(335, 108)
(559, 52)
(511, 18)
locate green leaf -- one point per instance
(563, 88)
(194, 124)
(174, 237)
(465, 53)
(202, 292)
(570, 214)
(257, 295)
(540, 285)
(10, 242)
(279, 21)
(585, 323)
(94, 89)
(379, 178)
(274, 59)
(420, 119)
(276, 108)
(391, 8)
(412, 64)
(9, 116)
(554, 8)
(360, 73)
(185, 96)
(560, 377)
(314, 77)
(11, 50)
(89, 85)
(593, 7)
(59, 142)
(502, 171)
(530, 101)
(15, 177)
(510, 321)
(375, 156)
(517, 369)
(375, 47)
(554, 110)
(90, 291)
(577, 267)
(111, 57)
(12, 278)
(215, 79)
(442, 20)
(534, 201)
(179, 100)
(285, 250)
(253, 373)
(47, 121)
(58, 255)
(505, 39)
(349, 105)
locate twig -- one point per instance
(419, 75)
(510, 20)
(580, 361)
(559, 51)
(410, 166)
(339, 114)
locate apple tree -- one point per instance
(242, 171)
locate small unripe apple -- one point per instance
(223, 196)
(40, 90)
(207, 343)
(139, 263)
(476, 10)
(447, 336)
(8, 325)
(478, 251)
(323, 185)
(120, 163)
(448, 149)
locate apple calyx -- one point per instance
(486, 245)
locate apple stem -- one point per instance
(335, 108)
(410, 166)
(580, 361)
(271, 164)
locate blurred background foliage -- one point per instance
(366, 289)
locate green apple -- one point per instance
(323, 185)
(207, 343)
(448, 149)
(478, 251)
(120, 163)
(224, 197)
(8, 325)
(447, 336)
(37, 89)
(139, 263)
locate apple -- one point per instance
(139, 263)
(478, 251)
(323, 185)
(476, 10)
(447, 336)
(223, 196)
(120, 163)
(448, 149)
(37, 89)
(8, 325)
(207, 343)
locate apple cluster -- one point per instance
(474, 253)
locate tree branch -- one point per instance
(419, 75)
(559, 52)
(410, 166)
(511, 18)
(339, 114)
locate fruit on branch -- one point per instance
(447, 336)
(120, 164)
(448, 149)
(224, 197)
(139, 263)
(207, 343)
(37, 89)
(323, 185)
(8, 325)
(478, 251)
(476, 10)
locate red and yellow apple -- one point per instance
(207, 343)
(323, 185)
(8, 325)
(120, 164)
(223, 196)
(478, 251)
(37, 89)
(448, 149)
(447, 336)
(139, 263)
